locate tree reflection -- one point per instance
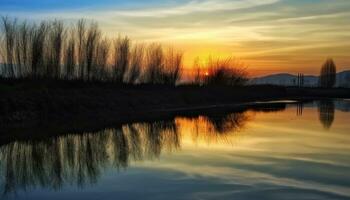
(300, 108)
(228, 123)
(212, 129)
(80, 159)
(326, 110)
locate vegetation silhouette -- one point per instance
(328, 74)
(50, 50)
(326, 110)
(219, 71)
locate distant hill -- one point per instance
(343, 80)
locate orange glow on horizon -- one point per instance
(269, 36)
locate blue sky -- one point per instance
(45, 5)
(269, 35)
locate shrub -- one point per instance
(225, 72)
(198, 76)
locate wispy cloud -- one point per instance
(184, 8)
(196, 6)
(243, 28)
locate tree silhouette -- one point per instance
(9, 31)
(328, 74)
(53, 50)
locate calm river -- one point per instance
(290, 151)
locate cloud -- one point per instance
(250, 176)
(315, 17)
(196, 6)
(245, 28)
(188, 7)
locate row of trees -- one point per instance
(52, 50)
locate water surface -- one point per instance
(294, 151)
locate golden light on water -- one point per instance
(266, 147)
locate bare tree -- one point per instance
(102, 59)
(328, 74)
(70, 59)
(91, 44)
(55, 45)
(172, 67)
(2, 55)
(22, 48)
(136, 63)
(18, 54)
(39, 36)
(9, 31)
(121, 58)
(154, 64)
(81, 41)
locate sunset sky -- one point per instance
(270, 36)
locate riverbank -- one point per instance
(78, 104)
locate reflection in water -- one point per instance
(300, 108)
(80, 159)
(293, 155)
(326, 110)
(212, 129)
(229, 123)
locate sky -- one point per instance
(269, 36)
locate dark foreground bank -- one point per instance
(31, 103)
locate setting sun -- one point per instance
(270, 36)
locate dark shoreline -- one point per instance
(82, 124)
(27, 108)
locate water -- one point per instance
(294, 151)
